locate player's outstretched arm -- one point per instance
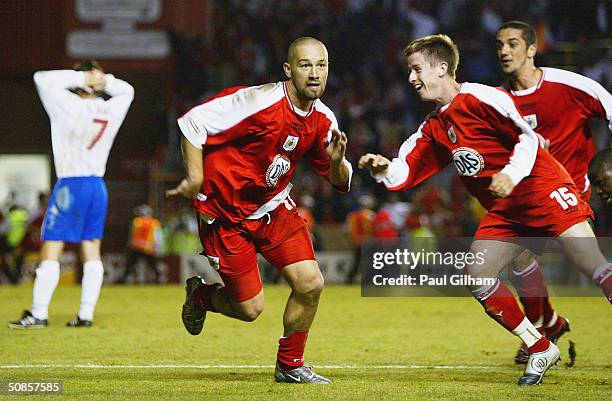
(339, 173)
(376, 164)
(192, 159)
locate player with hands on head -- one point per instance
(86, 108)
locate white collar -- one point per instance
(297, 110)
(529, 91)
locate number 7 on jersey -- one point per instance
(96, 138)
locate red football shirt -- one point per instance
(252, 140)
(481, 132)
(558, 108)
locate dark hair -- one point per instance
(87, 65)
(527, 32)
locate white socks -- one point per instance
(529, 334)
(47, 276)
(93, 274)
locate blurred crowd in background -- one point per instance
(369, 93)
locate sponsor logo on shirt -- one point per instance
(280, 165)
(290, 143)
(451, 135)
(532, 120)
(468, 161)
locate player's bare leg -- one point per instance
(528, 279)
(580, 245)
(306, 283)
(499, 304)
(47, 277)
(246, 311)
(93, 275)
(202, 297)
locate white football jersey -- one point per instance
(82, 130)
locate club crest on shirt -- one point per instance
(451, 134)
(290, 143)
(532, 120)
(468, 161)
(279, 166)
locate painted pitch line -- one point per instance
(371, 367)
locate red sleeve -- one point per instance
(589, 105)
(419, 158)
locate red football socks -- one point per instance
(291, 350)
(540, 346)
(533, 294)
(499, 303)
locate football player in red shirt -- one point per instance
(557, 104)
(526, 192)
(240, 150)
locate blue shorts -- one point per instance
(77, 210)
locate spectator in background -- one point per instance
(383, 226)
(13, 229)
(359, 227)
(145, 242)
(306, 204)
(31, 240)
(397, 209)
(182, 233)
(17, 219)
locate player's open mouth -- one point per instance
(418, 87)
(506, 62)
(313, 84)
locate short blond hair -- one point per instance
(436, 48)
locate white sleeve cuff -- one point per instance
(194, 133)
(395, 175)
(515, 174)
(349, 166)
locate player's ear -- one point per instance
(287, 69)
(442, 68)
(532, 50)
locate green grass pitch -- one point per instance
(372, 348)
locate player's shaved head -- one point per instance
(307, 67)
(600, 174)
(292, 53)
(601, 162)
